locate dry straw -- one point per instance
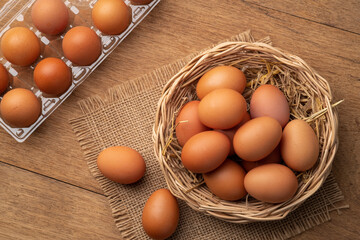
(309, 97)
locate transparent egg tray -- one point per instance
(17, 13)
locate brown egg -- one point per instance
(205, 151)
(20, 46)
(4, 79)
(272, 183)
(268, 100)
(52, 76)
(111, 16)
(245, 119)
(226, 181)
(222, 109)
(221, 77)
(257, 138)
(160, 216)
(299, 146)
(273, 157)
(230, 133)
(121, 164)
(20, 107)
(188, 122)
(50, 16)
(81, 45)
(140, 2)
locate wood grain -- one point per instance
(339, 14)
(36, 207)
(52, 149)
(173, 30)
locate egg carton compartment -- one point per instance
(18, 14)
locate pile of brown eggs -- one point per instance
(214, 129)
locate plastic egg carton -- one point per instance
(18, 14)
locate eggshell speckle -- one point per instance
(299, 146)
(222, 109)
(227, 181)
(121, 164)
(188, 122)
(268, 100)
(205, 151)
(257, 138)
(160, 216)
(272, 183)
(221, 77)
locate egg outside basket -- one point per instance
(309, 97)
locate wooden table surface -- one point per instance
(46, 190)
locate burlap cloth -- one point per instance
(125, 116)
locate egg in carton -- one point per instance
(20, 15)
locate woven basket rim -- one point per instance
(238, 212)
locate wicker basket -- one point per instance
(309, 97)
